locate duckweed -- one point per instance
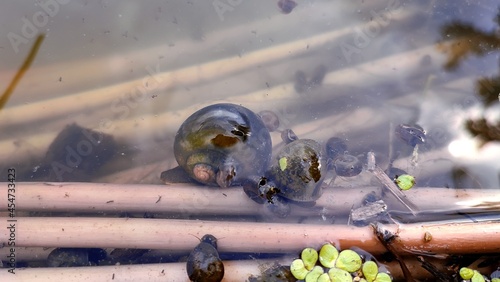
(314, 274)
(309, 257)
(328, 254)
(349, 261)
(477, 277)
(405, 182)
(466, 273)
(335, 267)
(339, 275)
(370, 270)
(383, 277)
(298, 269)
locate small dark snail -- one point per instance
(270, 119)
(288, 136)
(295, 176)
(302, 84)
(222, 145)
(347, 165)
(286, 6)
(203, 263)
(335, 147)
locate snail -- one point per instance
(203, 263)
(347, 165)
(286, 6)
(221, 145)
(411, 134)
(339, 160)
(295, 176)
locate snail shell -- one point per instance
(204, 264)
(222, 144)
(298, 171)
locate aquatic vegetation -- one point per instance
(469, 274)
(334, 266)
(25, 66)
(405, 181)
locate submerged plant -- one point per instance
(335, 266)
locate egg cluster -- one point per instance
(346, 266)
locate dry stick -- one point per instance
(25, 66)
(174, 272)
(31, 254)
(447, 238)
(233, 271)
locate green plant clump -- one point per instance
(330, 265)
(473, 275)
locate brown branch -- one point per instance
(234, 271)
(456, 238)
(195, 199)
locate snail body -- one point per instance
(204, 263)
(222, 144)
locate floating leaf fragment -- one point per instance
(349, 261)
(298, 269)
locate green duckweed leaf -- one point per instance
(324, 278)
(383, 277)
(314, 274)
(370, 270)
(310, 257)
(298, 269)
(466, 273)
(405, 182)
(339, 275)
(477, 277)
(349, 261)
(327, 255)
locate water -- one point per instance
(136, 71)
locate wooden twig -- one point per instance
(234, 271)
(195, 199)
(84, 232)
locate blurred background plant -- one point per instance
(461, 40)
